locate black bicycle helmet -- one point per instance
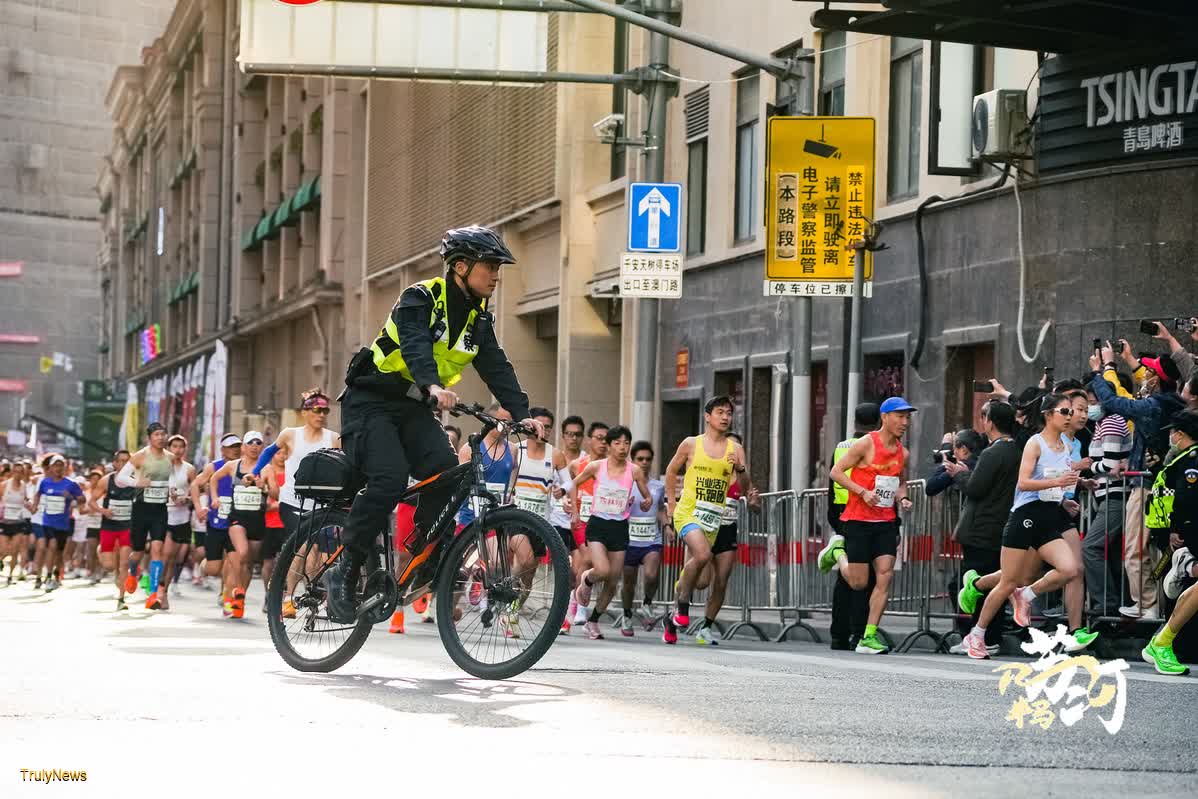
(475, 243)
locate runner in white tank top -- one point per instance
(296, 443)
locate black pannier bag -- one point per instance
(325, 475)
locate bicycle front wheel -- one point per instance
(302, 632)
(502, 594)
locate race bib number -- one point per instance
(1052, 494)
(611, 500)
(247, 498)
(13, 512)
(122, 509)
(731, 511)
(886, 489)
(642, 531)
(536, 502)
(498, 489)
(156, 492)
(225, 504)
(709, 515)
(584, 507)
(54, 505)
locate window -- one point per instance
(619, 100)
(698, 115)
(906, 69)
(802, 102)
(747, 188)
(696, 197)
(831, 74)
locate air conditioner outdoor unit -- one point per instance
(999, 125)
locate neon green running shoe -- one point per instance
(145, 583)
(829, 555)
(968, 596)
(1082, 638)
(871, 645)
(1163, 659)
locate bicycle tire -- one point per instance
(274, 606)
(560, 560)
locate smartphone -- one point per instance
(1183, 324)
(1098, 345)
(983, 387)
(1121, 345)
(1147, 328)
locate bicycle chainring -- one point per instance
(382, 582)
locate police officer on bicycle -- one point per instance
(436, 329)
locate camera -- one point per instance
(1183, 324)
(609, 126)
(1147, 328)
(939, 456)
(983, 387)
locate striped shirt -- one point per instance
(1109, 449)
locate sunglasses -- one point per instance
(321, 411)
(1064, 411)
(254, 441)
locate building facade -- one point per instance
(55, 62)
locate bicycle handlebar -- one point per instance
(476, 410)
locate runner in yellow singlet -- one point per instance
(711, 460)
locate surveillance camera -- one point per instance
(609, 126)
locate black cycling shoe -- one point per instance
(841, 644)
(343, 583)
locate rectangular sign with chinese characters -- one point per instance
(820, 194)
(651, 275)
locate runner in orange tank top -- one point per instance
(877, 491)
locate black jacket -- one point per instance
(411, 317)
(989, 494)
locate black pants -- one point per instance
(850, 609)
(984, 561)
(386, 440)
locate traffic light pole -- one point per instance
(649, 310)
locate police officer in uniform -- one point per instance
(1173, 505)
(845, 629)
(436, 329)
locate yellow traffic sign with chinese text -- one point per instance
(819, 196)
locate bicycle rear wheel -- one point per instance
(499, 607)
(310, 640)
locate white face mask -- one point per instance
(1094, 413)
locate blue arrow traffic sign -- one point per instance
(654, 217)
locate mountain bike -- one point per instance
(501, 585)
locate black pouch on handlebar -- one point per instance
(326, 475)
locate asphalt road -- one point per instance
(188, 703)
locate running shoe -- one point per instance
(95, 580)
(706, 637)
(238, 603)
(511, 624)
(420, 605)
(565, 630)
(120, 604)
(626, 626)
(152, 602)
(593, 632)
(680, 621)
(145, 583)
(975, 647)
(871, 645)
(288, 609)
(583, 593)
(581, 615)
(968, 596)
(476, 588)
(669, 633)
(645, 615)
(38, 584)
(830, 554)
(130, 583)
(227, 607)
(1021, 609)
(962, 649)
(1082, 638)
(1178, 577)
(396, 623)
(1163, 659)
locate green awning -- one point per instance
(308, 195)
(284, 216)
(250, 240)
(265, 230)
(194, 283)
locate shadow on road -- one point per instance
(468, 701)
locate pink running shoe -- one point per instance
(975, 647)
(583, 595)
(593, 633)
(682, 622)
(669, 633)
(1021, 609)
